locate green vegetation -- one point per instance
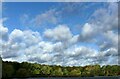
(25, 69)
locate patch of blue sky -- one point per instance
(78, 16)
(74, 15)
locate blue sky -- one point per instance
(73, 31)
(77, 16)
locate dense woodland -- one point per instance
(25, 69)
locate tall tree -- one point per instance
(8, 70)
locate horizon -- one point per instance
(65, 34)
(56, 65)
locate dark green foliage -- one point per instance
(7, 70)
(25, 69)
(22, 72)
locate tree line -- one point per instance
(25, 69)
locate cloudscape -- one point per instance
(66, 34)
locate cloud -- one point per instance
(80, 51)
(71, 9)
(109, 35)
(88, 32)
(74, 39)
(59, 46)
(28, 46)
(24, 19)
(2, 21)
(63, 34)
(59, 33)
(28, 36)
(107, 56)
(18, 41)
(46, 46)
(87, 29)
(49, 17)
(110, 41)
(41, 58)
(102, 27)
(3, 32)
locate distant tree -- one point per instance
(57, 72)
(46, 70)
(65, 72)
(35, 69)
(88, 71)
(95, 70)
(107, 70)
(7, 70)
(115, 70)
(22, 72)
(25, 69)
(16, 65)
(0, 67)
(75, 72)
(84, 74)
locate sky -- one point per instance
(59, 33)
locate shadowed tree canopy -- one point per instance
(25, 69)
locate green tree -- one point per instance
(22, 72)
(75, 72)
(96, 70)
(106, 70)
(35, 69)
(115, 70)
(35, 72)
(8, 70)
(88, 71)
(14, 69)
(57, 72)
(46, 70)
(65, 72)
